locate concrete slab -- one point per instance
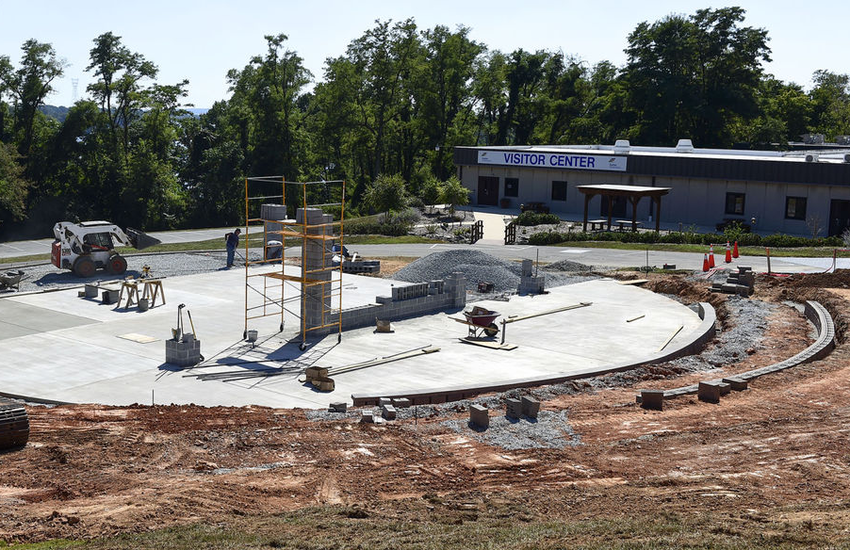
(80, 353)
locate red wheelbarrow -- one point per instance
(480, 321)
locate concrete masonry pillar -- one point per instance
(316, 259)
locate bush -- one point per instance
(537, 218)
(392, 225)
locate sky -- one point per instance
(202, 40)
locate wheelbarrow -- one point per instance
(11, 279)
(480, 321)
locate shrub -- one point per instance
(537, 218)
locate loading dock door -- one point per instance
(839, 217)
(488, 190)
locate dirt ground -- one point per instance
(778, 451)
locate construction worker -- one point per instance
(232, 241)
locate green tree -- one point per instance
(28, 87)
(13, 185)
(694, 76)
(388, 193)
(453, 193)
(830, 100)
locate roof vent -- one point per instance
(622, 146)
(685, 146)
(811, 157)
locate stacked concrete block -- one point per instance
(316, 260)
(338, 407)
(92, 290)
(513, 408)
(735, 383)
(361, 266)
(741, 283)
(652, 399)
(367, 417)
(409, 301)
(709, 392)
(479, 416)
(316, 373)
(530, 407)
(528, 283)
(109, 294)
(183, 354)
(401, 403)
(388, 412)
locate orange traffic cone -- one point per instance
(728, 253)
(735, 250)
(710, 256)
(705, 263)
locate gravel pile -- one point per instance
(567, 265)
(479, 267)
(49, 277)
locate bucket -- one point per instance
(188, 338)
(252, 335)
(144, 304)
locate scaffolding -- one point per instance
(318, 286)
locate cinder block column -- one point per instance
(314, 256)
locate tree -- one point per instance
(387, 193)
(13, 185)
(28, 86)
(830, 103)
(694, 76)
(453, 193)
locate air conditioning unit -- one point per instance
(622, 146)
(811, 157)
(685, 146)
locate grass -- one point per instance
(801, 252)
(412, 526)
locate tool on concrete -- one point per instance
(87, 246)
(191, 323)
(678, 330)
(480, 320)
(515, 318)
(635, 318)
(178, 332)
(488, 344)
(383, 360)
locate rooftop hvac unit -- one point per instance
(842, 140)
(622, 146)
(811, 157)
(847, 157)
(685, 146)
(813, 139)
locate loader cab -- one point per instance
(98, 241)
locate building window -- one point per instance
(735, 203)
(511, 187)
(795, 208)
(559, 190)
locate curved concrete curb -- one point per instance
(823, 345)
(697, 340)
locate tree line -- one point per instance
(394, 104)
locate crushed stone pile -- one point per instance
(479, 267)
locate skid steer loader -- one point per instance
(87, 246)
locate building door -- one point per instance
(839, 217)
(488, 190)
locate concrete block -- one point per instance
(323, 384)
(367, 417)
(91, 291)
(737, 384)
(709, 392)
(109, 296)
(479, 415)
(388, 412)
(652, 399)
(338, 407)
(513, 408)
(725, 388)
(384, 401)
(401, 403)
(316, 373)
(530, 406)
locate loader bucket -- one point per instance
(141, 240)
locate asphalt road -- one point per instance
(599, 257)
